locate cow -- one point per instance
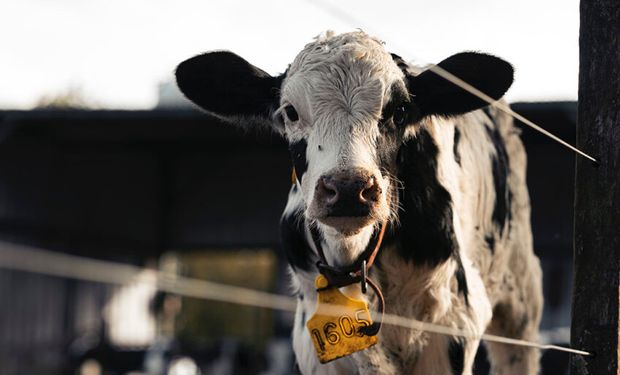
(382, 148)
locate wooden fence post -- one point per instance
(596, 291)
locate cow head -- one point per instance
(345, 106)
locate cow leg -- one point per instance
(517, 317)
(510, 359)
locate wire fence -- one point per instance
(23, 258)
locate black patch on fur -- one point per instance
(298, 154)
(400, 62)
(399, 98)
(302, 322)
(455, 149)
(461, 278)
(490, 240)
(487, 111)
(400, 110)
(426, 234)
(434, 95)
(226, 84)
(294, 243)
(456, 353)
(500, 169)
(523, 323)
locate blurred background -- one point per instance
(100, 156)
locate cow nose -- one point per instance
(348, 194)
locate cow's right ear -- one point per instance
(229, 87)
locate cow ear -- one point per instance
(229, 87)
(435, 95)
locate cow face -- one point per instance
(345, 106)
(339, 103)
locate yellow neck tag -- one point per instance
(336, 335)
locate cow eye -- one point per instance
(291, 113)
(400, 115)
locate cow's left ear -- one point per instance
(434, 95)
(227, 86)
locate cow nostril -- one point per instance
(371, 191)
(327, 190)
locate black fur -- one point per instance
(400, 62)
(455, 148)
(302, 321)
(500, 169)
(226, 84)
(456, 353)
(298, 154)
(461, 278)
(392, 117)
(426, 234)
(490, 240)
(434, 95)
(294, 242)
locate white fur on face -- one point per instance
(338, 86)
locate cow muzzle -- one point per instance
(347, 200)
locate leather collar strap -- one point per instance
(340, 276)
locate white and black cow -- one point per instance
(374, 140)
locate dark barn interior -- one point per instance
(134, 186)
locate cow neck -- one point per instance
(357, 272)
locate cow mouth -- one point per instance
(348, 220)
(347, 225)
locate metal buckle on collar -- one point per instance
(364, 275)
(337, 278)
